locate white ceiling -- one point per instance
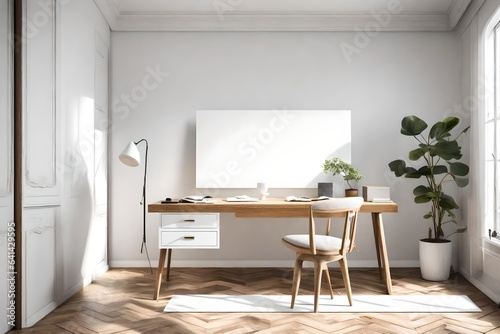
(282, 15)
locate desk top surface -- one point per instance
(271, 207)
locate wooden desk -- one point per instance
(276, 208)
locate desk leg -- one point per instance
(376, 234)
(169, 259)
(159, 273)
(378, 226)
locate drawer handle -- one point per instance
(188, 238)
(189, 220)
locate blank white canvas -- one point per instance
(284, 148)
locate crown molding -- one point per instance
(279, 21)
(456, 10)
(109, 11)
(468, 16)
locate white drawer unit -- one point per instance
(189, 230)
(190, 221)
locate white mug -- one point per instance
(262, 188)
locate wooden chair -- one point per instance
(323, 249)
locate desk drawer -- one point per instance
(190, 220)
(189, 239)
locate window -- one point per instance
(492, 138)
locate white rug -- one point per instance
(304, 303)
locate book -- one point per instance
(298, 199)
(321, 198)
(242, 198)
(381, 200)
(305, 198)
(197, 199)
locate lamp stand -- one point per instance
(143, 203)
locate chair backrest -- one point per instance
(346, 207)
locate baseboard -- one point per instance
(70, 292)
(81, 284)
(39, 315)
(253, 264)
(99, 271)
(65, 296)
(478, 284)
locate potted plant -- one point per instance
(439, 153)
(350, 174)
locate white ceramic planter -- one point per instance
(435, 260)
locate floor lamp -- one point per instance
(131, 157)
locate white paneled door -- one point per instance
(41, 150)
(6, 166)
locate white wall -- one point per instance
(390, 75)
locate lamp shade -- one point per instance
(130, 155)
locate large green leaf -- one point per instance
(421, 190)
(440, 169)
(398, 167)
(447, 202)
(459, 169)
(423, 194)
(461, 182)
(422, 199)
(444, 136)
(424, 171)
(424, 147)
(412, 173)
(416, 154)
(412, 126)
(438, 130)
(451, 122)
(447, 150)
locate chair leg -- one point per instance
(327, 274)
(297, 271)
(318, 269)
(347, 281)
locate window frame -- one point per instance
(492, 136)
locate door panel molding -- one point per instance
(6, 105)
(40, 107)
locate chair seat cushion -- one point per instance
(323, 242)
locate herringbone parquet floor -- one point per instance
(120, 301)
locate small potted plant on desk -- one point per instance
(439, 154)
(350, 174)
